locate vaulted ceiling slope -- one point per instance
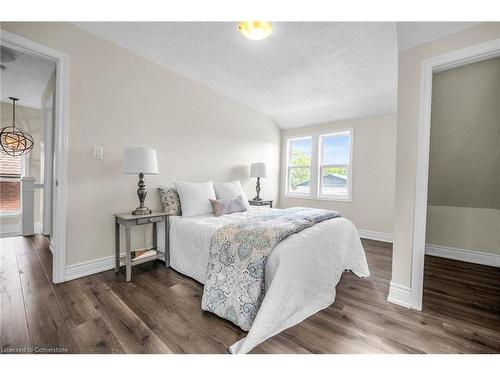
(305, 73)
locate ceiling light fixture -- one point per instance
(13, 140)
(256, 30)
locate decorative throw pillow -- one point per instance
(171, 201)
(195, 197)
(233, 189)
(228, 206)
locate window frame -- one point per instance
(316, 166)
(289, 167)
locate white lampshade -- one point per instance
(258, 170)
(139, 160)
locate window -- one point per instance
(319, 166)
(299, 166)
(10, 183)
(334, 169)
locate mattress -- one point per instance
(300, 274)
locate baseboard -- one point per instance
(75, 271)
(377, 236)
(10, 230)
(399, 295)
(10, 234)
(463, 255)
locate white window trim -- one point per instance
(315, 168)
(10, 213)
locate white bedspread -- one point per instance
(301, 272)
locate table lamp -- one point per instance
(258, 170)
(140, 160)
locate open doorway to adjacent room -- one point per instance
(26, 180)
(463, 209)
(33, 183)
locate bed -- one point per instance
(300, 274)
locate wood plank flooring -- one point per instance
(159, 311)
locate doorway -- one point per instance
(429, 67)
(462, 263)
(49, 168)
(30, 79)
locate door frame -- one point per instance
(465, 56)
(60, 146)
(48, 206)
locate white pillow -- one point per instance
(228, 190)
(195, 197)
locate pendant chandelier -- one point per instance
(14, 141)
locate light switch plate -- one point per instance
(98, 152)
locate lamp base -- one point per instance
(141, 211)
(141, 193)
(257, 189)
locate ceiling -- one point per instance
(305, 73)
(24, 78)
(411, 34)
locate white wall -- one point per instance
(464, 158)
(118, 99)
(408, 102)
(373, 171)
(467, 228)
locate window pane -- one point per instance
(300, 153)
(299, 180)
(336, 149)
(335, 164)
(333, 182)
(10, 182)
(10, 195)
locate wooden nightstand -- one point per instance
(261, 203)
(128, 221)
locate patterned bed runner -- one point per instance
(235, 282)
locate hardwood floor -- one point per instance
(159, 311)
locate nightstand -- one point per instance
(128, 221)
(261, 203)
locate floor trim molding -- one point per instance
(10, 230)
(77, 270)
(90, 267)
(10, 234)
(399, 295)
(471, 256)
(377, 236)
